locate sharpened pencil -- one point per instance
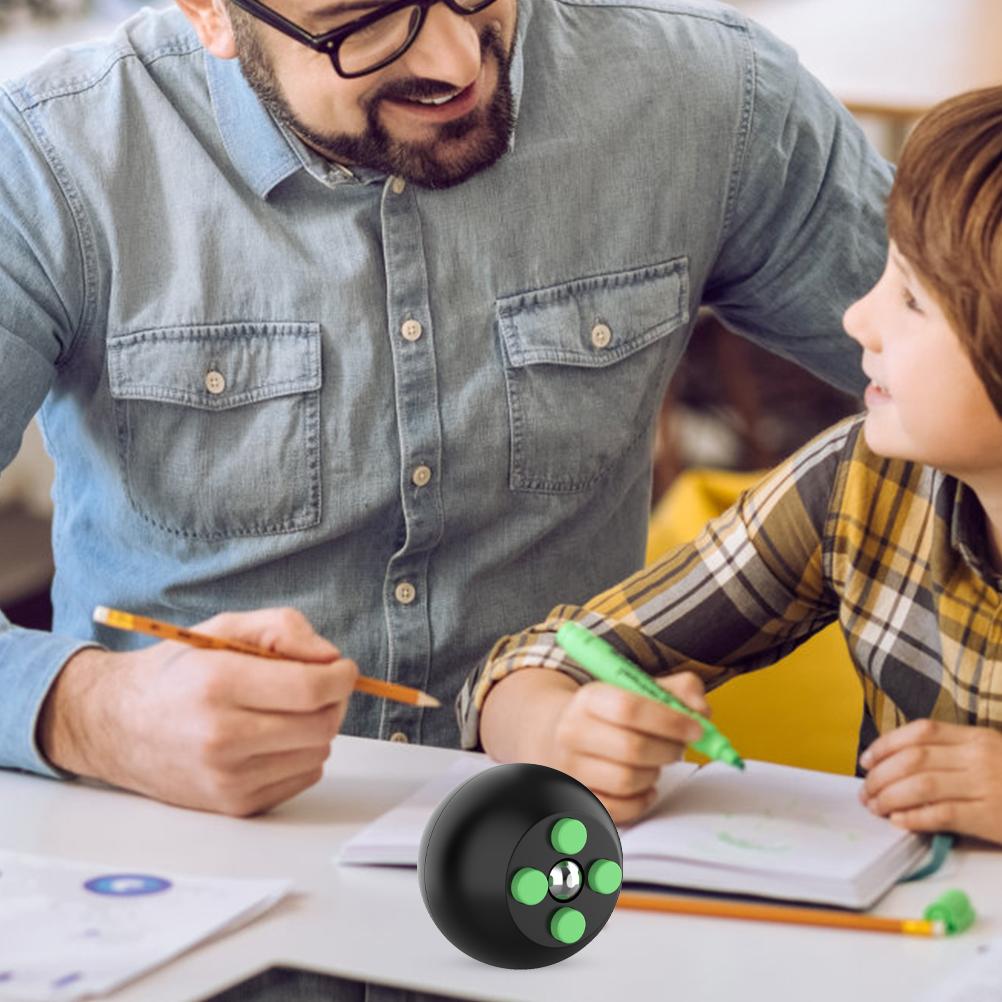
(168, 631)
(779, 913)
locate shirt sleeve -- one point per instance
(42, 301)
(752, 587)
(804, 234)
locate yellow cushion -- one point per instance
(805, 709)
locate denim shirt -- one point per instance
(421, 417)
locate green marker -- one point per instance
(601, 659)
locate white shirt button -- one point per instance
(215, 382)
(399, 737)
(398, 186)
(405, 593)
(421, 476)
(411, 330)
(601, 335)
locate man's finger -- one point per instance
(259, 733)
(282, 631)
(280, 686)
(918, 732)
(269, 796)
(263, 771)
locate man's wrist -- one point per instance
(66, 720)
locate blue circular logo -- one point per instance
(127, 884)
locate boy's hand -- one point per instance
(611, 740)
(929, 776)
(213, 730)
(615, 742)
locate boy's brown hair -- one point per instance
(945, 215)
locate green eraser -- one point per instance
(605, 876)
(954, 909)
(568, 836)
(529, 886)
(567, 925)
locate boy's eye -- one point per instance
(910, 301)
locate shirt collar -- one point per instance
(254, 142)
(265, 154)
(969, 534)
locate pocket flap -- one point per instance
(595, 321)
(215, 366)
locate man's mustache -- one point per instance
(417, 88)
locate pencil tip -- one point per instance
(425, 700)
(100, 614)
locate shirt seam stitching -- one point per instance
(81, 227)
(750, 89)
(72, 87)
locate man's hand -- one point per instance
(207, 729)
(613, 741)
(929, 776)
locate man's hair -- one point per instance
(945, 215)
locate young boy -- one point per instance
(890, 522)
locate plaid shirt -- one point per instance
(895, 551)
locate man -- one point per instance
(349, 322)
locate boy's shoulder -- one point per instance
(881, 494)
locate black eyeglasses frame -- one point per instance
(330, 42)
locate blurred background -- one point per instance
(731, 406)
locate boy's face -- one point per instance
(384, 120)
(924, 402)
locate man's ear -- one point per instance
(211, 21)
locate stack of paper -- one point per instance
(70, 930)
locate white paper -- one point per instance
(769, 830)
(770, 817)
(393, 838)
(71, 930)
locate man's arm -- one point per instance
(43, 295)
(804, 233)
(205, 729)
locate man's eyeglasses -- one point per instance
(367, 43)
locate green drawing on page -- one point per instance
(744, 843)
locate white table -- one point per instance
(370, 923)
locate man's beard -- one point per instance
(432, 164)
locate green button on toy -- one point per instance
(567, 925)
(568, 836)
(529, 886)
(501, 869)
(605, 876)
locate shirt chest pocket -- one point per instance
(586, 364)
(219, 426)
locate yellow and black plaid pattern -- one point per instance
(895, 551)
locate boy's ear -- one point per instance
(211, 21)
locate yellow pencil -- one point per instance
(168, 631)
(779, 913)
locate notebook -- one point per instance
(770, 831)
